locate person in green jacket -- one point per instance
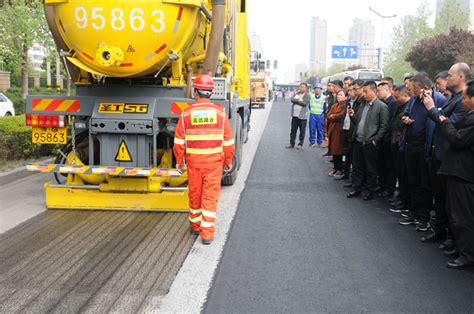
(316, 117)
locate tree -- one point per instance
(21, 24)
(333, 69)
(440, 52)
(467, 57)
(405, 35)
(452, 14)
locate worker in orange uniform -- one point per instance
(204, 140)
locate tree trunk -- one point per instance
(68, 87)
(24, 74)
(58, 73)
(48, 74)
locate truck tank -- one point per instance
(128, 38)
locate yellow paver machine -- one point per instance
(133, 64)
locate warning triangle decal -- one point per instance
(123, 154)
(130, 49)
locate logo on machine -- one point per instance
(123, 154)
(122, 108)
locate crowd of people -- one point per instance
(412, 144)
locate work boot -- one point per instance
(194, 232)
(206, 242)
(291, 146)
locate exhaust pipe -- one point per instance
(216, 37)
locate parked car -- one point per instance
(6, 106)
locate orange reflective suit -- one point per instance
(204, 139)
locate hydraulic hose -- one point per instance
(216, 37)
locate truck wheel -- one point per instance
(229, 179)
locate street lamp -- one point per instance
(343, 39)
(383, 22)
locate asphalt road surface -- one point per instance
(299, 245)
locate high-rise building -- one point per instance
(256, 42)
(36, 53)
(318, 44)
(362, 35)
(465, 4)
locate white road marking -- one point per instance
(189, 290)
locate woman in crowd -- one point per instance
(335, 118)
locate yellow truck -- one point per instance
(133, 64)
(259, 90)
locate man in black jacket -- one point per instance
(370, 125)
(397, 128)
(458, 167)
(453, 109)
(386, 166)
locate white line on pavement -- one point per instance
(189, 290)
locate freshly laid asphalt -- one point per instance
(299, 245)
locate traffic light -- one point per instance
(268, 64)
(275, 64)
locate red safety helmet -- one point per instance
(204, 82)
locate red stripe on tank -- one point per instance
(88, 56)
(180, 13)
(157, 51)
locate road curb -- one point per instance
(18, 173)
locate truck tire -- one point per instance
(229, 179)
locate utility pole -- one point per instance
(379, 58)
(380, 61)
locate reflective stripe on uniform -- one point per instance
(195, 211)
(207, 224)
(194, 220)
(204, 137)
(208, 213)
(179, 141)
(229, 142)
(204, 151)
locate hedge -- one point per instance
(15, 140)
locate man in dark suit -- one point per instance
(458, 167)
(386, 164)
(418, 140)
(453, 109)
(370, 125)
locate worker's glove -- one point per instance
(180, 168)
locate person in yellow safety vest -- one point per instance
(204, 140)
(316, 117)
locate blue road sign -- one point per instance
(345, 52)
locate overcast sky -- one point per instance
(284, 26)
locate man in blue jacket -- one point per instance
(418, 139)
(453, 109)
